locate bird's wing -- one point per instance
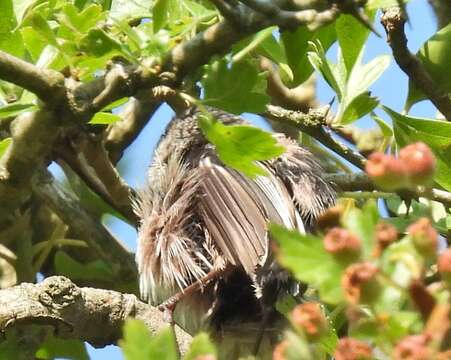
(302, 176)
(236, 209)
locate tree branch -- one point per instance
(311, 124)
(135, 115)
(393, 22)
(99, 239)
(48, 85)
(33, 135)
(361, 182)
(92, 315)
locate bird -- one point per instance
(204, 252)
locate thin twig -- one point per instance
(394, 21)
(361, 182)
(311, 124)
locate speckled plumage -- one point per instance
(198, 215)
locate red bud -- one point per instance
(386, 171)
(424, 237)
(360, 284)
(352, 349)
(310, 319)
(419, 162)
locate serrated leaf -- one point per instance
(240, 146)
(54, 347)
(306, 258)
(201, 346)
(235, 89)
(15, 109)
(98, 43)
(360, 79)
(33, 42)
(296, 44)
(4, 145)
(359, 107)
(398, 262)
(351, 35)
(164, 12)
(435, 55)
(255, 42)
(105, 118)
(435, 133)
(138, 344)
(81, 21)
(42, 27)
(123, 9)
(386, 130)
(10, 38)
(330, 73)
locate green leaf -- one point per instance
(4, 145)
(33, 42)
(115, 104)
(360, 79)
(435, 133)
(359, 107)
(98, 43)
(351, 36)
(256, 41)
(362, 222)
(236, 89)
(296, 44)
(435, 54)
(42, 28)
(329, 340)
(386, 130)
(54, 347)
(95, 270)
(165, 12)
(81, 21)
(10, 37)
(139, 345)
(200, 346)
(273, 49)
(402, 263)
(20, 8)
(332, 74)
(15, 109)
(306, 258)
(104, 118)
(127, 9)
(239, 146)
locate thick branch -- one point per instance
(48, 85)
(394, 21)
(92, 315)
(122, 133)
(33, 135)
(68, 208)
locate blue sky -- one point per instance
(391, 89)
